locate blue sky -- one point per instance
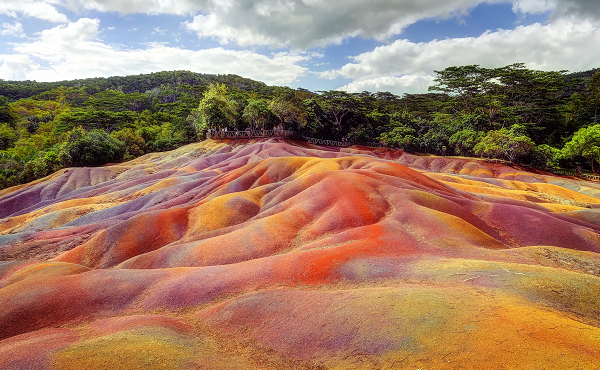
(355, 45)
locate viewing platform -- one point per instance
(584, 176)
(249, 134)
(286, 134)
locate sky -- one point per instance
(353, 45)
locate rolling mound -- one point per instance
(283, 255)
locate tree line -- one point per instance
(537, 118)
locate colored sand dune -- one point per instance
(282, 255)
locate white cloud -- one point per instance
(180, 7)
(15, 30)
(211, 26)
(158, 31)
(44, 10)
(74, 51)
(299, 24)
(563, 44)
(16, 67)
(533, 6)
(316, 23)
(410, 84)
(313, 23)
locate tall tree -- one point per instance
(289, 108)
(258, 113)
(594, 88)
(340, 105)
(215, 110)
(585, 142)
(464, 83)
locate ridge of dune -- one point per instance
(281, 254)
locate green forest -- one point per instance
(536, 118)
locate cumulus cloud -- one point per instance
(44, 10)
(304, 24)
(213, 27)
(589, 9)
(578, 8)
(410, 84)
(15, 30)
(313, 23)
(179, 7)
(16, 67)
(299, 24)
(533, 6)
(74, 51)
(402, 65)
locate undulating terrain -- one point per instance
(282, 255)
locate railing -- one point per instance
(585, 176)
(564, 172)
(495, 160)
(344, 143)
(312, 140)
(590, 177)
(375, 144)
(248, 134)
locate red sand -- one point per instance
(270, 254)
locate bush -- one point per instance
(400, 137)
(545, 156)
(135, 145)
(505, 143)
(8, 136)
(90, 148)
(162, 138)
(47, 165)
(464, 141)
(9, 171)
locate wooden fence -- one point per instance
(590, 177)
(342, 143)
(312, 140)
(248, 134)
(251, 134)
(584, 176)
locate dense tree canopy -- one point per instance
(539, 118)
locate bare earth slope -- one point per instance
(282, 255)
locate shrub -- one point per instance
(135, 145)
(90, 148)
(505, 143)
(545, 156)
